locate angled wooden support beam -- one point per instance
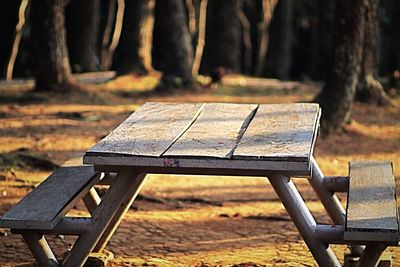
(126, 181)
(40, 249)
(91, 200)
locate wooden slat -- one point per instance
(149, 131)
(46, 205)
(371, 202)
(280, 131)
(215, 132)
(217, 166)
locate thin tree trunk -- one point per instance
(52, 68)
(146, 37)
(246, 36)
(109, 46)
(369, 88)
(279, 58)
(173, 45)
(17, 38)
(268, 10)
(338, 93)
(127, 53)
(191, 17)
(82, 31)
(201, 37)
(223, 36)
(8, 20)
(105, 42)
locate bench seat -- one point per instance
(371, 203)
(46, 205)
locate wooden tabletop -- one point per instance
(165, 137)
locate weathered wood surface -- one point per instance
(371, 203)
(280, 131)
(215, 133)
(150, 130)
(214, 136)
(46, 205)
(217, 166)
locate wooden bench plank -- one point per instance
(280, 131)
(371, 203)
(215, 132)
(149, 131)
(47, 204)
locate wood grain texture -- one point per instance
(371, 204)
(46, 205)
(280, 131)
(217, 166)
(150, 130)
(215, 133)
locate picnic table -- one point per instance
(274, 141)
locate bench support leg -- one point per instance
(330, 201)
(103, 215)
(371, 255)
(40, 249)
(129, 197)
(91, 200)
(303, 219)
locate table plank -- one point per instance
(215, 133)
(280, 131)
(149, 131)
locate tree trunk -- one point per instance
(279, 58)
(82, 21)
(172, 45)
(127, 55)
(325, 27)
(338, 93)
(268, 7)
(17, 38)
(52, 68)
(223, 36)
(8, 20)
(368, 88)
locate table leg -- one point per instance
(102, 217)
(303, 219)
(330, 201)
(370, 256)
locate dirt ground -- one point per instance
(179, 220)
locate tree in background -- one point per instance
(82, 22)
(369, 89)
(223, 37)
(8, 20)
(52, 69)
(279, 58)
(129, 48)
(172, 45)
(338, 93)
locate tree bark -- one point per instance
(82, 21)
(324, 47)
(223, 36)
(338, 93)
(8, 20)
(279, 56)
(52, 68)
(128, 54)
(172, 45)
(17, 38)
(369, 88)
